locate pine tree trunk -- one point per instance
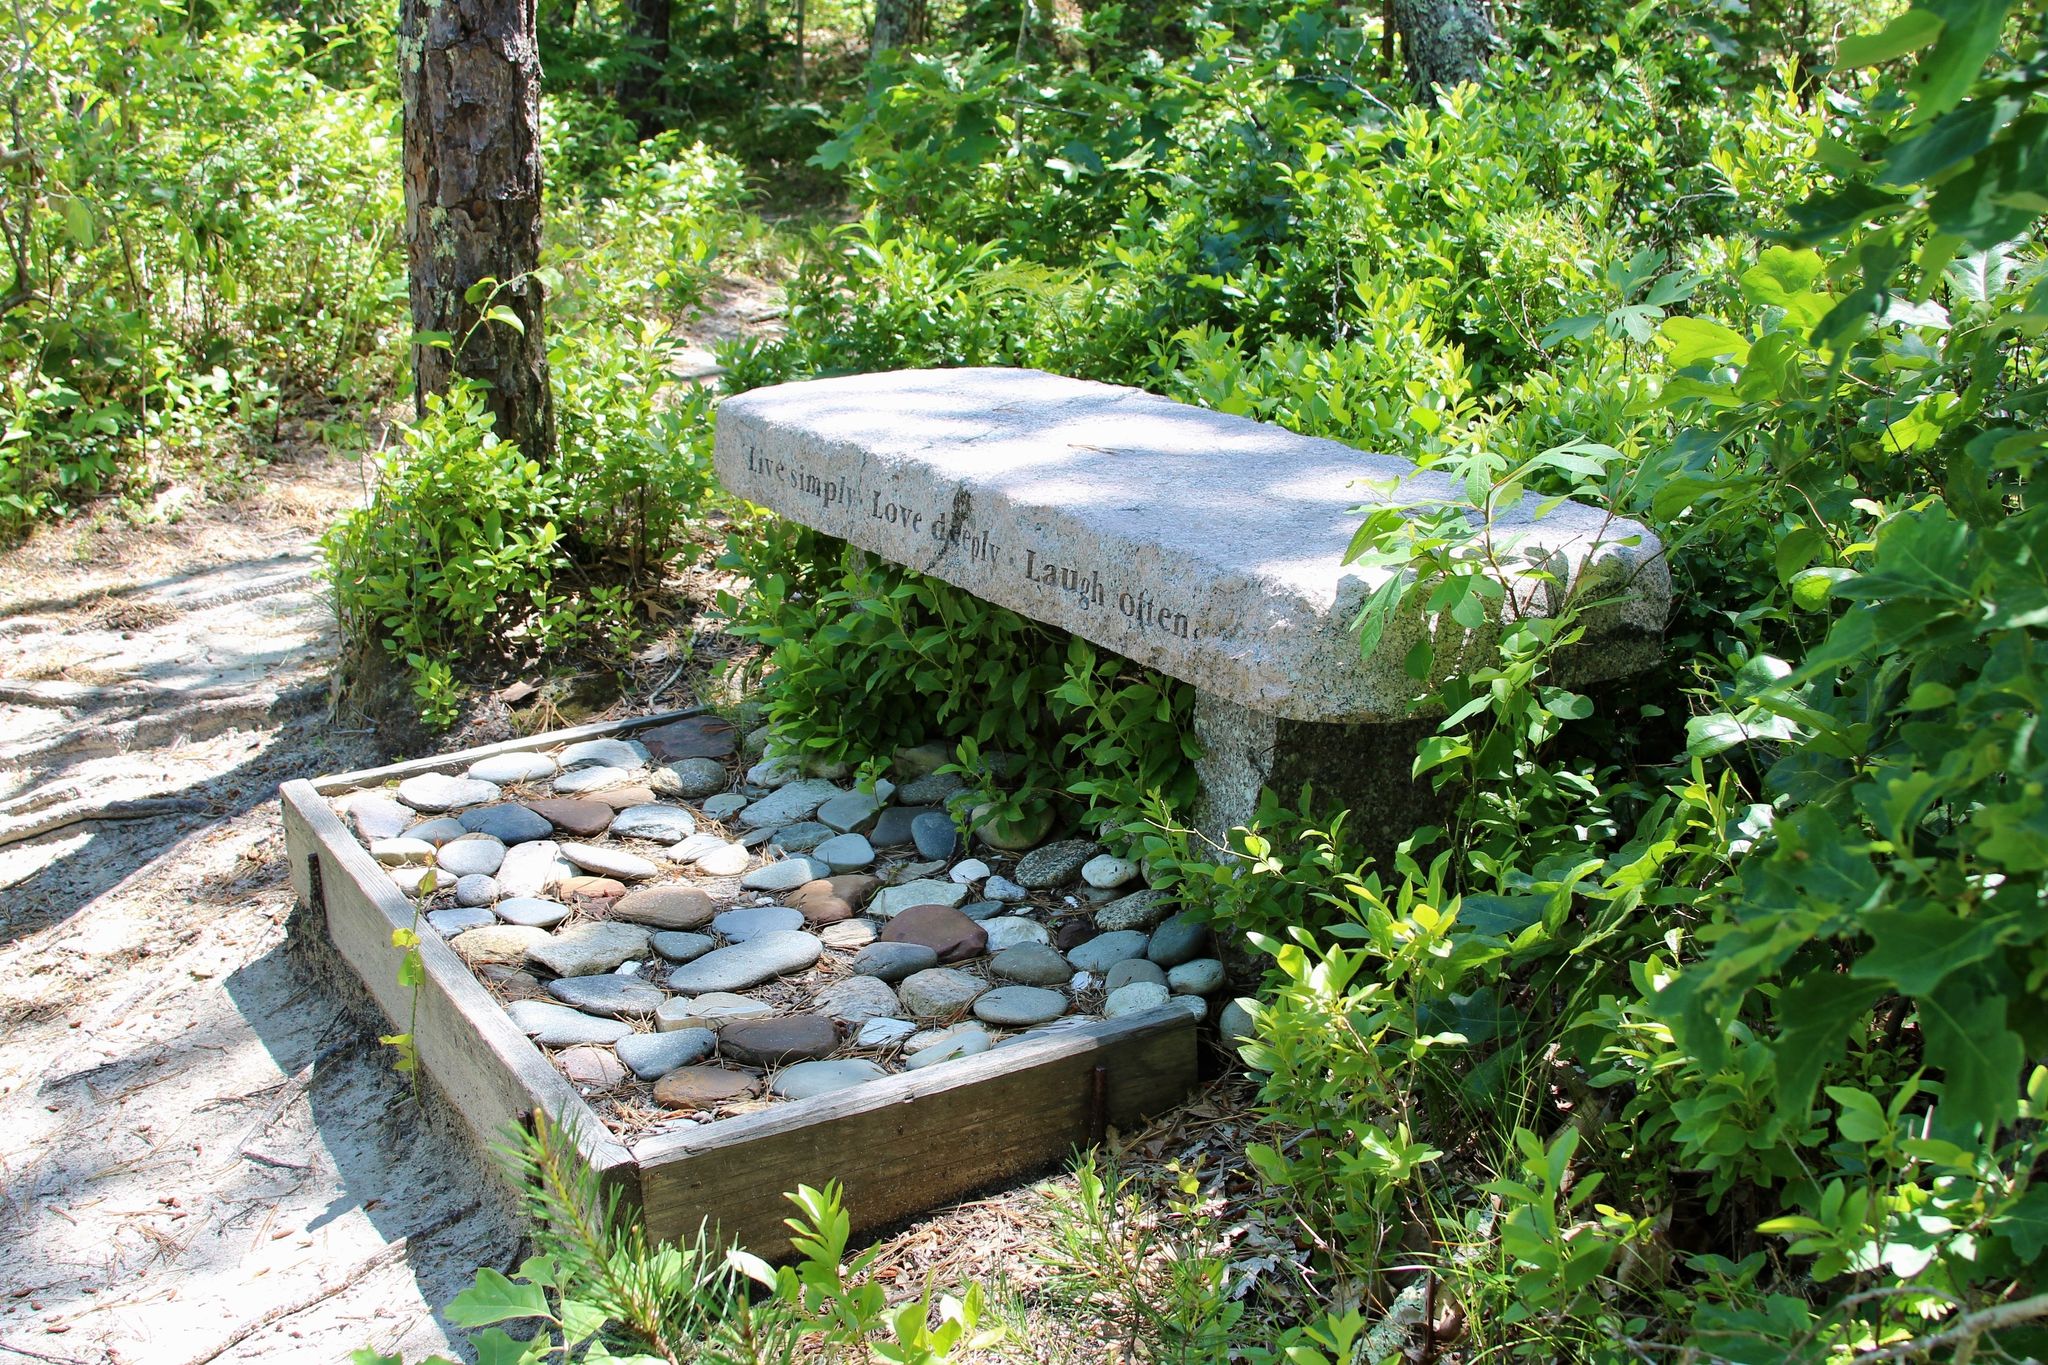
(647, 22)
(469, 78)
(897, 24)
(1447, 41)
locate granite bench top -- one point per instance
(1207, 546)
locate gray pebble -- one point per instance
(609, 862)
(854, 811)
(590, 780)
(1235, 1023)
(476, 890)
(738, 926)
(1104, 951)
(437, 831)
(607, 993)
(605, 753)
(806, 1079)
(473, 855)
(893, 828)
(536, 911)
(678, 945)
(984, 910)
(1007, 931)
(856, 999)
(1055, 864)
(963, 1044)
(690, 779)
(1108, 872)
(504, 768)
(938, 991)
(789, 804)
(654, 1055)
(449, 923)
(845, 852)
(1019, 1006)
(1130, 970)
(883, 1032)
(747, 964)
(801, 837)
(403, 852)
(508, 824)
(663, 824)
(892, 901)
(933, 789)
(1134, 999)
(1140, 910)
(786, 875)
(1203, 976)
(438, 792)
(893, 961)
(1180, 939)
(559, 1026)
(723, 806)
(587, 949)
(377, 816)
(1003, 889)
(935, 835)
(1035, 964)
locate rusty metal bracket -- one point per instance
(1098, 1105)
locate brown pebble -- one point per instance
(592, 1065)
(589, 893)
(666, 907)
(947, 932)
(703, 1087)
(1072, 933)
(513, 983)
(618, 798)
(694, 737)
(574, 814)
(771, 1042)
(832, 899)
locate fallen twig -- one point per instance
(84, 812)
(1965, 1328)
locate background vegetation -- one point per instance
(1711, 1025)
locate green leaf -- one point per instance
(493, 1347)
(2024, 1223)
(496, 1298)
(1914, 951)
(502, 313)
(1949, 141)
(1979, 1057)
(1970, 31)
(1908, 32)
(1693, 340)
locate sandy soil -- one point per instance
(204, 1154)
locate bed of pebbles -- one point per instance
(688, 942)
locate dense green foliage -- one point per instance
(1714, 1015)
(1712, 1019)
(200, 211)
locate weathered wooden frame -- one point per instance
(899, 1146)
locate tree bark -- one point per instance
(469, 80)
(647, 24)
(1447, 41)
(897, 24)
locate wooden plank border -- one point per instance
(489, 1069)
(899, 1146)
(918, 1139)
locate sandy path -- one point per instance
(204, 1154)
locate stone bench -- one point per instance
(1206, 546)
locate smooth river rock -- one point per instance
(666, 907)
(1139, 910)
(1134, 999)
(752, 921)
(607, 993)
(508, 768)
(1008, 931)
(1019, 1006)
(1034, 964)
(473, 855)
(501, 944)
(537, 911)
(609, 862)
(508, 824)
(888, 961)
(788, 804)
(747, 964)
(893, 900)
(662, 824)
(554, 1025)
(775, 1042)
(690, 779)
(437, 792)
(690, 1088)
(1107, 872)
(610, 753)
(937, 992)
(786, 875)
(585, 949)
(1132, 969)
(712, 1010)
(377, 816)
(805, 1079)
(1104, 951)
(654, 1055)
(856, 999)
(682, 947)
